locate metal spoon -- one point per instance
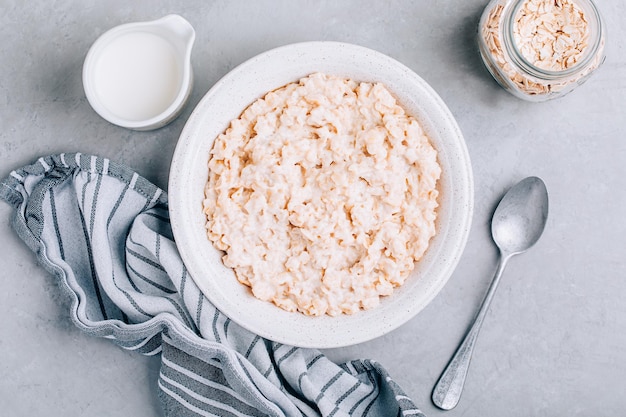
(517, 224)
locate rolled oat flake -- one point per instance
(541, 49)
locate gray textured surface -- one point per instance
(554, 341)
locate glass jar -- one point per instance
(541, 49)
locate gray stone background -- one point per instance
(554, 341)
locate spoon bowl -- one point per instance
(520, 217)
(517, 225)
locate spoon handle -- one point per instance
(448, 389)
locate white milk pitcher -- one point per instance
(138, 75)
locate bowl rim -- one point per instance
(330, 334)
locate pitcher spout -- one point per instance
(179, 28)
(182, 34)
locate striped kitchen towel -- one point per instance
(104, 232)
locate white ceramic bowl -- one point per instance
(226, 100)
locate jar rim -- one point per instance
(596, 35)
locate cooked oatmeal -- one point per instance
(323, 195)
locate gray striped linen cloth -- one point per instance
(104, 232)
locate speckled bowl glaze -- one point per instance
(226, 100)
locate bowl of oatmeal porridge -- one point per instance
(321, 194)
